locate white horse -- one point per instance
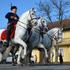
(35, 41)
(43, 38)
(47, 40)
(52, 35)
(21, 28)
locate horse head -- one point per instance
(33, 17)
(56, 34)
(42, 23)
(28, 17)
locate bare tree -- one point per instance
(46, 10)
(59, 7)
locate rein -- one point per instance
(21, 25)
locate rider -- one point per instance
(12, 20)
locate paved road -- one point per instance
(34, 67)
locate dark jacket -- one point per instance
(11, 20)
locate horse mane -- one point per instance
(53, 31)
(24, 16)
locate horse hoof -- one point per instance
(0, 62)
(13, 64)
(20, 64)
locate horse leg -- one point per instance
(48, 59)
(45, 51)
(21, 53)
(1, 57)
(5, 55)
(29, 54)
(14, 57)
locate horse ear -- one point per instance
(33, 9)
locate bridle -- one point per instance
(24, 24)
(29, 20)
(50, 36)
(21, 25)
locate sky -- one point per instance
(23, 5)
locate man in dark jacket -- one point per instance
(12, 20)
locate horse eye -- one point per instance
(43, 21)
(32, 13)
